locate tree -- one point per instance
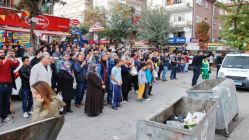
(154, 27)
(33, 8)
(202, 33)
(119, 25)
(236, 24)
(93, 15)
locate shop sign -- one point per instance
(22, 38)
(177, 40)
(74, 22)
(14, 18)
(2, 36)
(194, 40)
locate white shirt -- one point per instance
(40, 73)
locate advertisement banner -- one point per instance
(43, 22)
(2, 37)
(21, 38)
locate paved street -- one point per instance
(121, 124)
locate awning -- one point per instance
(37, 32)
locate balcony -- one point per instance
(184, 23)
(178, 5)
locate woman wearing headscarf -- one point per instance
(126, 78)
(95, 92)
(65, 85)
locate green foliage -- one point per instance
(119, 24)
(93, 15)
(154, 27)
(84, 29)
(236, 24)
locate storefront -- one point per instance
(15, 27)
(176, 43)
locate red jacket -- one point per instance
(5, 70)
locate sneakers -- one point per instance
(25, 115)
(148, 99)
(8, 120)
(30, 112)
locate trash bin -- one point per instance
(154, 128)
(224, 92)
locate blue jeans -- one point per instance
(165, 68)
(182, 67)
(5, 93)
(197, 72)
(80, 90)
(173, 72)
(109, 93)
(27, 99)
(116, 96)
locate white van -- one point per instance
(236, 67)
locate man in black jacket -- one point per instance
(197, 62)
(27, 100)
(36, 59)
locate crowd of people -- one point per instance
(59, 73)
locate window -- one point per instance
(198, 19)
(206, 4)
(199, 2)
(179, 18)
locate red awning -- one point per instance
(20, 20)
(37, 32)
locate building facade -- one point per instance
(185, 14)
(72, 9)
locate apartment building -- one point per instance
(72, 9)
(185, 14)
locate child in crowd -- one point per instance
(117, 83)
(142, 80)
(148, 85)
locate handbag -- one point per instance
(133, 71)
(154, 74)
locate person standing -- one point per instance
(45, 105)
(165, 65)
(27, 99)
(65, 85)
(126, 78)
(42, 70)
(117, 83)
(219, 61)
(95, 92)
(148, 85)
(6, 64)
(80, 69)
(187, 58)
(197, 62)
(36, 59)
(142, 80)
(103, 71)
(205, 69)
(174, 64)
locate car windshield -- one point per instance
(236, 62)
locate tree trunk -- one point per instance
(32, 35)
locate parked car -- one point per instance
(236, 67)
